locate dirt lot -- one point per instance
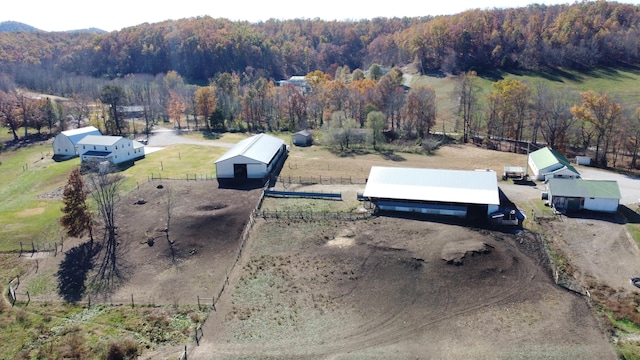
(387, 287)
(192, 258)
(397, 288)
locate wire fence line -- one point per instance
(189, 177)
(313, 215)
(321, 180)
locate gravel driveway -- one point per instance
(161, 137)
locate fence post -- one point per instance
(213, 302)
(199, 302)
(132, 304)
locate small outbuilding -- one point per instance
(302, 138)
(64, 144)
(251, 159)
(460, 193)
(115, 149)
(567, 195)
(547, 163)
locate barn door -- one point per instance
(240, 171)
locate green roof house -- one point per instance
(566, 195)
(547, 163)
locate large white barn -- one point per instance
(64, 144)
(461, 193)
(251, 159)
(115, 149)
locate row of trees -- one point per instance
(559, 118)
(581, 35)
(342, 106)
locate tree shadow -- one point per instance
(73, 271)
(390, 155)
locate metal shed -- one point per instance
(547, 163)
(252, 158)
(461, 193)
(566, 195)
(302, 138)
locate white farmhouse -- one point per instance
(251, 159)
(115, 149)
(64, 144)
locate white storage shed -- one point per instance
(252, 158)
(64, 144)
(567, 195)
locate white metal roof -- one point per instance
(454, 186)
(76, 135)
(82, 130)
(261, 148)
(100, 140)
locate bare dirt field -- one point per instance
(397, 288)
(195, 227)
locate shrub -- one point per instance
(124, 349)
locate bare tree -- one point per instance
(104, 187)
(466, 91)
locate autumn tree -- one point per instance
(511, 97)
(551, 110)
(376, 123)
(176, 106)
(420, 109)
(340, 130)
(113, 96)
(466, 91)
(76, 218)
(604, 115)
(205, 103)
(9, 113)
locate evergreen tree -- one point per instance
(76, 218)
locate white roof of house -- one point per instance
(437, 185)
(76, 135)
(261, 148)
(100, 140)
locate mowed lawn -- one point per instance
(31, 186)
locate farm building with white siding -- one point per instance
(460, 193)
(567, 195)
(64, 144)
(115, 149)
(253, 158)
(547, 163)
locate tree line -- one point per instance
(579, 36)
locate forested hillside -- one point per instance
(215, 74)
(579, 36)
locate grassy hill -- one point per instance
(622, 85)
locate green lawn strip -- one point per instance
(175, 162)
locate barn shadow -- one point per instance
(73, 271)
(619, 217)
